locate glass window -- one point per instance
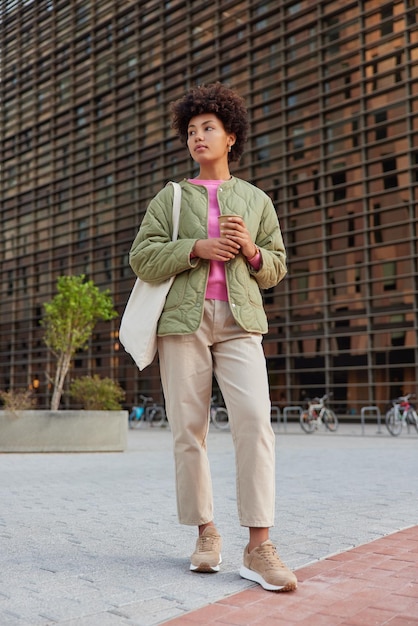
(389, 275)
(386, 18)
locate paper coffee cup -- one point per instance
(222, 219)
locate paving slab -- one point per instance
(375, 584)
(93, 539)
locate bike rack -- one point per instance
(376, 411)
(275, 413)
(289, 410)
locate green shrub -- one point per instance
(97, 394)
(18, 399)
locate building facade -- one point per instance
(332, 91)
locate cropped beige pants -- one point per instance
(236, 358)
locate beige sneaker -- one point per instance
(263, 565)
(207, 555)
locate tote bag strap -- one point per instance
(176, 208)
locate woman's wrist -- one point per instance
(255, 253)
(193, 254)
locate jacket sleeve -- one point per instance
(273, 254)
(154, 257)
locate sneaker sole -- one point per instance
(205, 568)
(249, 574)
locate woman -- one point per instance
(212, 324)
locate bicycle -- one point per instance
(318, 413)
(402, 412)
(218, 415)
(153, 414)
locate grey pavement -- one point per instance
(93, 539)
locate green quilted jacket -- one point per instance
(154, 257)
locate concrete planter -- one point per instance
(63, 431)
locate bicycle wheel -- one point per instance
(413, 418)
(307, 422)
(330, 420)
(220, 418)
(393, 422)
(156, 416)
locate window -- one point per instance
(82, 14)
(303, 284)
(262, 143)
(316, 185)
(83, 231)
(414, 158)
(41, 100)
(347, 83)
(392, 180)
(398, 335)
(357, 277)
(63, 89)
(411, 18)
(295, 199)
(99, 107)
(292, 101)
(343, 340)
(354, 129)
(80, 116)
(338, 179)
(332, 36)
(386, 17)
(377, 224)
(399, 66)
(298, 138)
(389, 276)
(389, 164)
(294, 8)
(261, 21)
(351, 229)
(132, 67)
(381, 131)
(10, 283)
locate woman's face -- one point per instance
(207, 139)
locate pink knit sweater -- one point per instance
(216, 287)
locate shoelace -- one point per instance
(270, 555)
(206, 544)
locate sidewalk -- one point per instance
(372, 585)
(93, 539)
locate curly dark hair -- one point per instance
(216, 98)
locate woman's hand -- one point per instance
(216, 249)
(235, 230)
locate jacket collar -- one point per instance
(226, 184)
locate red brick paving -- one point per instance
(375, 584)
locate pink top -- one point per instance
(216, 287)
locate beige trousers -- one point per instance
(236, 358)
